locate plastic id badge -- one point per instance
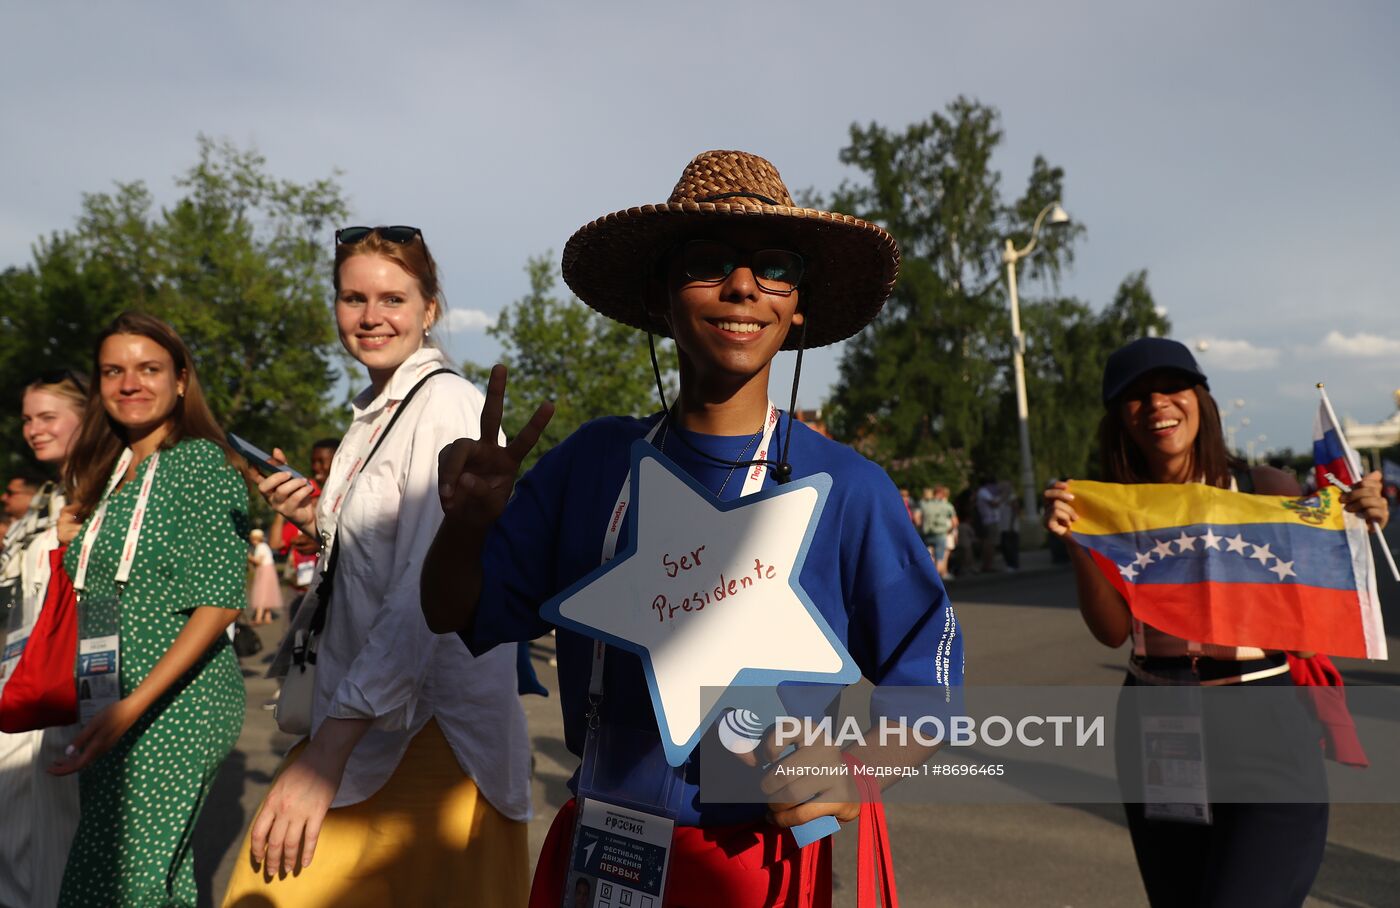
(14, 648)
(619, 858)
(628, 800)
(99, 684)
(1174, 769)
(15, 636)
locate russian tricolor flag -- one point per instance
(1222, 567)
(1331, 453)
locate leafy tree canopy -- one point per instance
(926, 389)
(239, 264)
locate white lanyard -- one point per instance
(133, 528)
(753, 481)
(380, 422)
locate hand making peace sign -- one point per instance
(476, 476)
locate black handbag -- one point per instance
(246, 641)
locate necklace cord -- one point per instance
(782, 470)
(656, 371)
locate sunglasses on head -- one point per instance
(59, 376)
(348, 236)
(775, 270)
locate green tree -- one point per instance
(559, 349)
(1066, 348)
(239, 264)
(925, 390)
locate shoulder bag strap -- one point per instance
(327, 584)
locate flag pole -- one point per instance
(1354, 462)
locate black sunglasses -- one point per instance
(775, 270)
(348, 236)
(59, 376)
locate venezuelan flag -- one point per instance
(1223, 567)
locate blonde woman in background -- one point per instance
(41, 810)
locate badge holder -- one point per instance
(304, 573)
(11, 598)
(1173, 750)
(16, 630)
(99, 655)
(627, 809)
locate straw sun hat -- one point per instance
(850, 264)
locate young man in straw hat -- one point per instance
(734, 272)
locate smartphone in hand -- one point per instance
(259, 459)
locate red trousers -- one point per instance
(750, 865)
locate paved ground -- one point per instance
(1021, 628)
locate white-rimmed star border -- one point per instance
(813, 652)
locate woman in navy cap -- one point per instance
(1161, 425)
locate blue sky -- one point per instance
(1244, 154)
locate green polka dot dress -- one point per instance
(140, 800)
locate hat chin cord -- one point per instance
(782, 470)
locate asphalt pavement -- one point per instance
(1020, 628)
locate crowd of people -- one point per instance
(977, 532)
(420, 557)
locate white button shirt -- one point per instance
(377, 659)
(41, 811)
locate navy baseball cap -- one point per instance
(1147, 354)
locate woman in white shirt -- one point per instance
(413, 787)
(41, 810)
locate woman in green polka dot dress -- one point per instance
(148, 758)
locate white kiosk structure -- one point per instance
(1372, 438)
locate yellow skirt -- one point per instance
(427, 837)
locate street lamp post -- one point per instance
(1262, 451)
(1230, 428)
(1011, 256)
(1203, 346)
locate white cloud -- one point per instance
(468, 320)
(1360, 344)
(1234, 355)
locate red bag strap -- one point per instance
(874, 860)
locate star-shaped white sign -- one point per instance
(1163, 549)
(1211, 541)
(1236, 543)
(1186, 541)
(1262, 554)
(707, 594)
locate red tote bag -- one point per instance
(42, 691)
